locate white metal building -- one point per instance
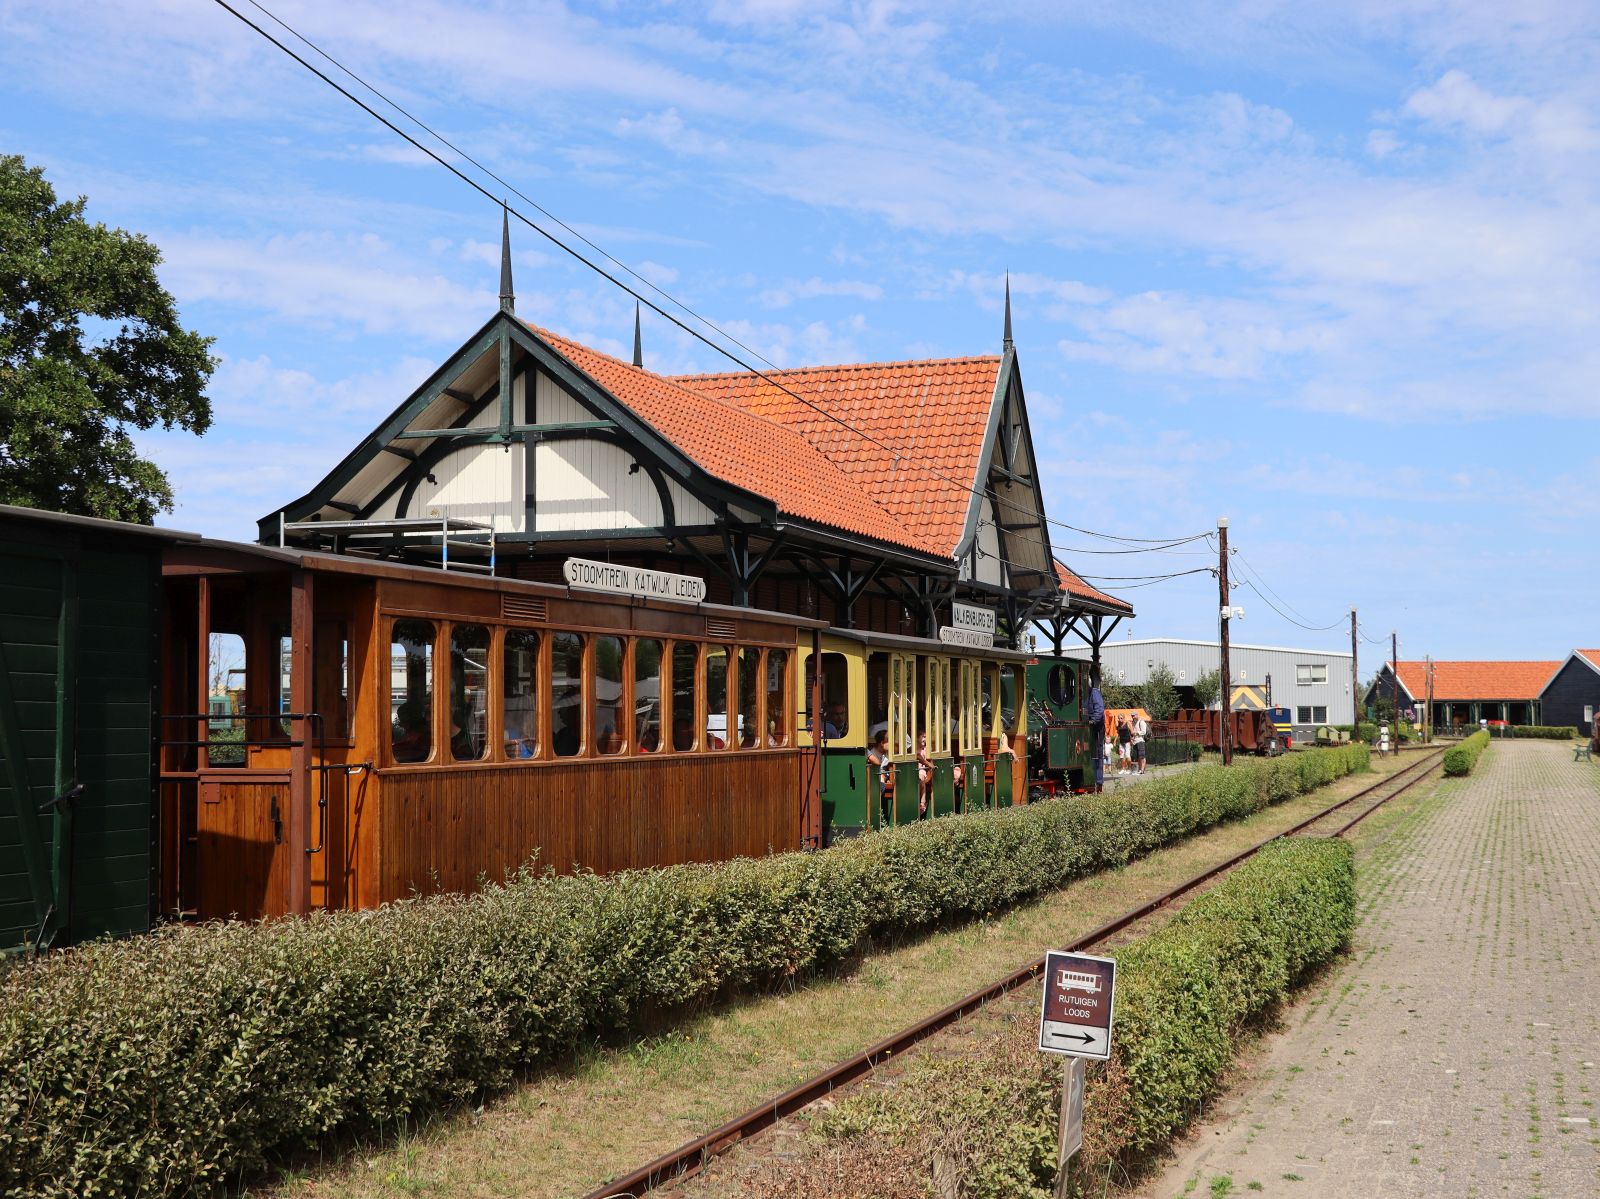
(1313, 684)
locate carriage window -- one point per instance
(282, 687)
(566, 694)
(520, 681)
(986, 711)
(226, 675)
(777, 697)
(835, 696)
(1010, 700)
(877, 695)
(749, 698)
(606, 722)
(469, 692)
(411, 690)
(685, 694)
(716, 698)
(647, 695)
(330, 679)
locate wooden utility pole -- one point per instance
(1224, 738)
(1427, 718)
(1394, 660)
(1355, 683)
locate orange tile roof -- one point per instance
(1073, 585)
(1460, 682)
(741, 447)
(1592, 656)
(909, 434)
(893, 453)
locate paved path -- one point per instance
(1457, 1051)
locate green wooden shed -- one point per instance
(79, 644)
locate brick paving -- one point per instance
(1456, 1051)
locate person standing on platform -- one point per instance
(1141, 730)
(1124, 746)
(1094, 715)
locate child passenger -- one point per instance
(924, 775)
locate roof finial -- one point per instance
(508, 298)
(1007, 344)
(638, 345)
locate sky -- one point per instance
(1327, 270)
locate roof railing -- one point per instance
(448, 532)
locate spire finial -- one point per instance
(1007, 343)
(508, 298)
(638, 344)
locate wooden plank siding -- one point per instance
(447, 829)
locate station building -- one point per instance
(1313, 684)
(1466, 692)
(1572, 696)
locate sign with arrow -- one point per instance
(1079, 998)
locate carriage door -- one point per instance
(250, 859)
(75, 799)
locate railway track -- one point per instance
(688, 1159)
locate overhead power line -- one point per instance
(608, 275)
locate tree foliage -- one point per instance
(1158, 694)
(90, 350)
(1208, 688)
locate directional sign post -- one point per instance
(1079, 995)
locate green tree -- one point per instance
(1208, 688)
(90, 349)
(1158, 694)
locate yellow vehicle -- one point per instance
(959, 704)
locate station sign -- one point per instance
(633, 580)
(971, 638)
(969, 625)
(970, 616)
(1079, 997)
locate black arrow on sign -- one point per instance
(1077, 1036)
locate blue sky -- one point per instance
(1330, 270)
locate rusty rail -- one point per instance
(689, 1158)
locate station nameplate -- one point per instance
(1079, 996)
(974, 638)
(970, 616)
(633, 580)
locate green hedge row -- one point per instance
(1184, 994)
(1460, 759)
(1547, 732)
(177, 1061)
(1231, 954)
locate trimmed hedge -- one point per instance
(1188, 990)
(1546, 732)
(176, 1061)
(1460, 759)
(1184, 995)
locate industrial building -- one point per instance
(1313, 684)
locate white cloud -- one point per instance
(1455, 99)
(325, 281)
(810, 289)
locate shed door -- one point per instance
(33, 697)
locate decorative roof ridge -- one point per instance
(842, 366)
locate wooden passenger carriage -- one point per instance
(401, 729)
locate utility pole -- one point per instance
(1394, 658)
(1427, 720)
(1355, 683)
(1224, 739)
